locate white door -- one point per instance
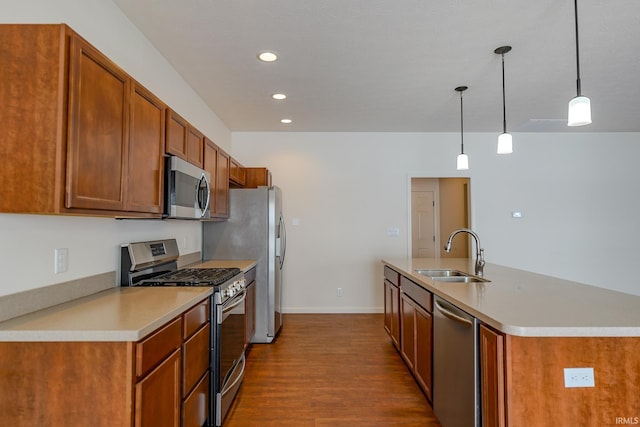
(423, 224)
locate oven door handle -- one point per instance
(238, 377)
(222, 309)
(235, 304)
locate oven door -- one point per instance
(231, 318)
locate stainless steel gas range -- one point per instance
(154, 263)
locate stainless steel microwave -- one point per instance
(187, 190)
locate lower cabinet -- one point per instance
(250, 307)
(416, 325)
(392, 305)
(409, 323)
(160, 381)
(492, 379)
(157, 396)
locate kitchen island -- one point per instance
(532, 327)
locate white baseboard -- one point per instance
(328, 310)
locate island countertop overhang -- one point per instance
(527, 304)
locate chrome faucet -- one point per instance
(479, 250)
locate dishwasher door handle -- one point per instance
(453, 316)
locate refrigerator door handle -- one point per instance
(281, 242)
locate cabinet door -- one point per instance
(211, 166)
(195, 357)
(177, 130)
(33, 94)
(250, 313)
(492, 385)
(222, 186)
(256, 177)
(195, 409)
(146, 152)
(98, 130)
(158, 401)
(424, 347)
(237, 173)
(195, 147)
(391, 313)
(407, 330)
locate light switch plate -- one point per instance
(61, 260)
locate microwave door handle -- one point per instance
(203, 189)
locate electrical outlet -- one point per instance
(339, 292)
(61, 260)
(578, 377)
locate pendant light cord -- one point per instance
(575, 2)
(461, 127)
(504, 106)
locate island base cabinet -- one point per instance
(492, 385)
(522, 380)
(392, 305)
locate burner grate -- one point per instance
(194, 277)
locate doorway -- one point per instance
(438, 207)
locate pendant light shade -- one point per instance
(462, 162)
(505, 144)
(579, 111)
(580, 106)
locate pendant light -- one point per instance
(505, 145)
(580, 106)
(463, 159)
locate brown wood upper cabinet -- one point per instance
(216, 162)
(257, 177)
(237, 173)
(183, 140)
(80, 136)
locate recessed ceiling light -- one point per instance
(279, 96)
(267, 56)
(286, 121)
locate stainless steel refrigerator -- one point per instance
(255, 230)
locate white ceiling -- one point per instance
(392, 65)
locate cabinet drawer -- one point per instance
(391, 275)
(417, 293)
(157, 396)
(195, 358)
(195, 318)
(195, 409)
(156, 347)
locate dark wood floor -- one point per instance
(329, 370)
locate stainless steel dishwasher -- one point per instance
(455, 368)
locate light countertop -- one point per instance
(117, 314)
(522, 303)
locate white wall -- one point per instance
(578, 194)
(27, 242)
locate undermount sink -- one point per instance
(441, 273)
(445, 275)
(460, 279)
